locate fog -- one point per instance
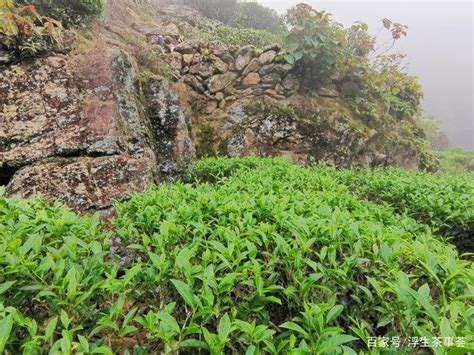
(439, 48)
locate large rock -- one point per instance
(85, 183)
(56, 115)
(307, 129)
(174, 148)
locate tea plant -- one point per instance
(251, 255)
(445, 202)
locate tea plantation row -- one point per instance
(252, 256)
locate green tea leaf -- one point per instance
(185, 292)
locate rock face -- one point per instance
(85, 183)
(304, 129)
(80, 135)
(169, 127)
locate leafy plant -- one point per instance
(23, 31)
(324, 52)
(315, 43)
(251, 14)
(69, 12)
(242, 36)
(249, 256)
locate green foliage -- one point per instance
(242, 36)
(24, 32)
(69, 12)
(220, 10)
(241, 14)
(455, 160)
(52, 266)
(445, 202)
(315, 42)
(269, 258)
(250, 14)
(323, 51)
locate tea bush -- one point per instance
(455, 160)
(241, 36)
(253, 15)
(253, 256)
(443, 201)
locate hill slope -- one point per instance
(113, 111)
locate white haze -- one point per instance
(439, 48)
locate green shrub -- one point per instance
(271, 258)
(242, 36)
(455, 160)
(445, 202)
(24, 32)
(69, 12)
(314, 43)
(325, 52)
(253, 15)
(221, 10)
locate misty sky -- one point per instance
(439, 46)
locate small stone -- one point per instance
(204, 70)
(272, 78)
(273, 94)
(220, 82)
(291, 83)
(197, 58)
(188, 59)
(251, 79)
(217, 48)
(210, 107)
(282, 69)
(252, 67)
(194, 83)
(56, 62)
(328, 91)
(267, 57)
(247, 92)
(244, 56)
(219, 65)
(220, 96)
(185, 48)
(279, 89)
(272, 47)
(267, 69)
